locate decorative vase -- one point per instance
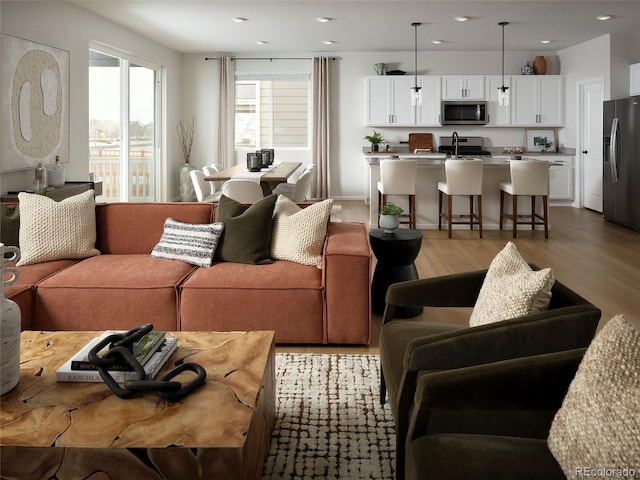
(375, 147)
(10, 324)
(389, 223)
(539, 65)
(187, 192)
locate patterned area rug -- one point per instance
(329, 421)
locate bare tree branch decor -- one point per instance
(185, 133)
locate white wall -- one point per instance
(64, 25)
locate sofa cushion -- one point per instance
(247, 232)
(189, 242)
(51, 230)
(283, 296)
(511, 289)
(115, 292)
(598, 424)
(298, 233)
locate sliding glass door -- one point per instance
(123, 124)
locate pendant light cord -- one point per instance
(415, 26)
(503, 24)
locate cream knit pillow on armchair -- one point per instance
(511, 289)
(51, 230)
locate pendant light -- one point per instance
(416, 94)
(503, 92)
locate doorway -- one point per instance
(591, 96)
(124, 151)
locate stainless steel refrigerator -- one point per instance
(621, 174)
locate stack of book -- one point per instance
(152, 351)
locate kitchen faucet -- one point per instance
(455, 140)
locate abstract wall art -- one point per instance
(34, 104)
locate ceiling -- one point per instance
(206, 26)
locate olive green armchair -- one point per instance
(512, 403)
(408, 347)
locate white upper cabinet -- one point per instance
(499, 115)
(428, 114)
(537, 100)
(388, 101)
(463, 87)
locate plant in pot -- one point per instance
(185, 134)
(390, 217)
(375, 140)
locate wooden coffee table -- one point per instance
(70, 430)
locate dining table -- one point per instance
(269, 177)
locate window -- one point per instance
(123, 121)
(272, 113)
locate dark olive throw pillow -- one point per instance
(247, 232)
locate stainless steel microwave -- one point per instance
(463, 113)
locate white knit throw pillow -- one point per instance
(511, 289)
(596, 432)
(51, 230)
(298, 234)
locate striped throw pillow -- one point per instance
(189, 243)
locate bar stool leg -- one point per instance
(470, 212)
(514, 200)
(533, 212)
(439, 210)
(480, 213)
(501, 208)
(412, 211)
(449, 210)
(545, 212)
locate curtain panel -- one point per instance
(320, 126)
(227, 120)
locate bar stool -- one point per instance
(464, 177)
(398, 177)
(528, 178)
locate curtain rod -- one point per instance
(268, 58)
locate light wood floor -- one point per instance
(597, 259)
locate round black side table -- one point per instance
(396, 253)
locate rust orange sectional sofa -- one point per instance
(125, 286)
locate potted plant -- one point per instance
(375, 139)
(185, 134)
(390, 217)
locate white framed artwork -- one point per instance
(34, 104)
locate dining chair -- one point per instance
(528, 178)
(463, 177)
(243, 191)
(299, 191)
(204, 190)
(210, 170)
(398, 177)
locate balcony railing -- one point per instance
(104, 162)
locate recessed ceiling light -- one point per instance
(323, 19)
(603, 17)
(461, 19)
(261, 42)
(545, 41)
(239, 19)
(328, 42)
(436, 42)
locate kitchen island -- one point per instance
(430, 172)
